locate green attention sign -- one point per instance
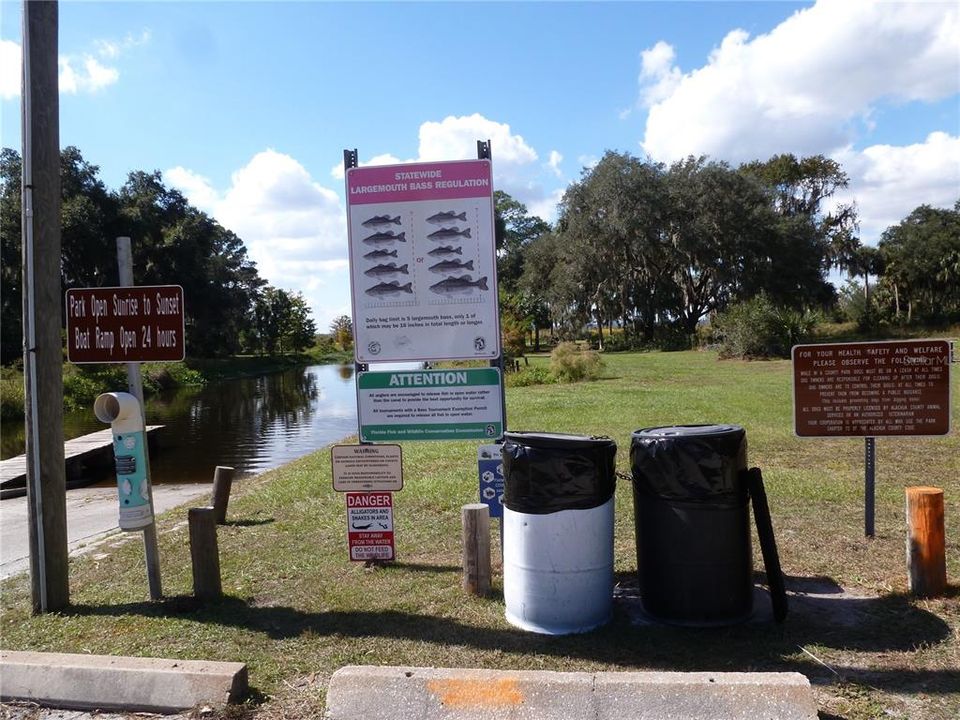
(457, 404)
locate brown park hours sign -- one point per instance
(125, 324)
(872, 389)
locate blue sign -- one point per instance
(490, 467)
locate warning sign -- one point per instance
(872, 389)
(367, 468)
(370, 525)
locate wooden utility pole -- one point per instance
(42, 310)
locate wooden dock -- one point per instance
(93, 448)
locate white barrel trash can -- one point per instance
(558, 531)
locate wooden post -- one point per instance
(476, 548)
(43, 310)
(926, 558)
(222, 482)
(204, 554)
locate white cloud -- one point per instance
(888, 182)
(455, 138)
(814, 85)
(292, 227)
(658, 76)
(197, 189)
(554, 163)
(112, 49)
(804, 86)
(76, 73)
(85, 75)
(515, 167)
(10, 61)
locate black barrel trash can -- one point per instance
(558, 531)
(691, 508)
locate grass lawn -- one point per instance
(296, 609)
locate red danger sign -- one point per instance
(125, 324)
(872, 389)
(370, 526)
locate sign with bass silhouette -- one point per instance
(423, 261)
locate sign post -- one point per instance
(130, 325)
(423, 284)
(891, 388)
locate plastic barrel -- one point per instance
(694, 556)
(558, 531)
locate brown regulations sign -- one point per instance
(872, 389)
(125, 324)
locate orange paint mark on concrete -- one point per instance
(497, 692)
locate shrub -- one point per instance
(532, 375)
(568, 363)
(11, 396)
(757, 328)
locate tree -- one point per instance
(173, 243)
(921, 262)
(11, 289)
(515, 228)
(799, 190)
(342, 330)
(611, 234)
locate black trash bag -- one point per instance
(548, 472)
(692, 463)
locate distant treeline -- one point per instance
(656, 250)
(229, 307)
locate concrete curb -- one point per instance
(411, 693)
(106, 682)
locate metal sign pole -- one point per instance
(351, 160)
(484, 153)
(135, 387)
(870, 465)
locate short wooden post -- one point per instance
(476, 548)
(204, 554)
(222, 482)
(926, 558)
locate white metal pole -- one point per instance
(135, 388)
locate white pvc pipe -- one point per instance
(121, 410)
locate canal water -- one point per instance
(251, 424)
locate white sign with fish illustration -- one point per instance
(423, 261)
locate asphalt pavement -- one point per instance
(91, 518)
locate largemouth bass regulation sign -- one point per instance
(423, 262)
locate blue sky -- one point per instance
(247, 107)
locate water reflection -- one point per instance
(252, 424)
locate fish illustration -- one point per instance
(390, 288)
(379, 254)
(445, 217)
(447, 233)
(462, 284)
(388, 269)
(384, 237)
(444, 251)
(451, 266)
(381, 221)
